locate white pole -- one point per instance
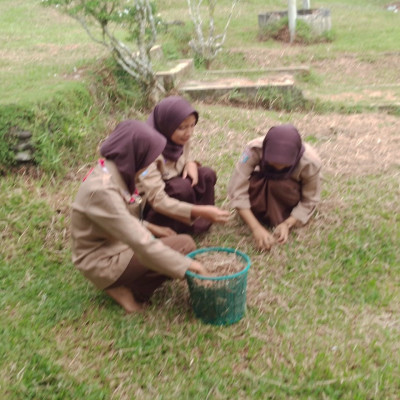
(292, 15)
(306, 4)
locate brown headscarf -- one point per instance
(133, 145)
(166, 117)
(282, 145)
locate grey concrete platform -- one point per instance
(212, 89)
(231, 84)
(171, 78)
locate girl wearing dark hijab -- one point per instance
(111, 246)
(179, 192)
(276, 182)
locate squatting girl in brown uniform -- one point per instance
(112, 247)
(277, 182)
(180, 192)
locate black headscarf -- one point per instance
(166, 118)
(133, 145)
(282, 145)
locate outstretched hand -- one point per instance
(212, 213)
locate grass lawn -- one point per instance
(323, 310)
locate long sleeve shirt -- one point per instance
(106, 231)
(152, 183)
(307, 173)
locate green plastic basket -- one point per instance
(223, 302)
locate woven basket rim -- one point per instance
(245, 257)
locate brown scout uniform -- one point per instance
(106, 232)
(152, 183)
(307, 173)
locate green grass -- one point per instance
(41, 51)
(323, 310)
(321, 317)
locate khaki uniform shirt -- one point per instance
(152, 183)
(307, 173)
(106, 232)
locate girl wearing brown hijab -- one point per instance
(277, 183)
(111, 246)
(179, 192)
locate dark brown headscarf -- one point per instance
(133, 145)
(166, 117)
(282, 145)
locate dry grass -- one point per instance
(349, 145)
(220, 263)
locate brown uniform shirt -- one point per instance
(152, 183)
(307, 172)
(106, 232)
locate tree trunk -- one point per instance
(306, 4)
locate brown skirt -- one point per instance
(182, 190)
(272, 201)
(144, 281)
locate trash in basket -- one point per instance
(219, 300)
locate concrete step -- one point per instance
(171, 78)
(300, 69)
(215, 88)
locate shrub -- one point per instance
(61, 130)
(290, 99)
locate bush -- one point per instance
(287, 99)
(114, 89)
(60, 130)
(290, 99)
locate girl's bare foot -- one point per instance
(124, 297)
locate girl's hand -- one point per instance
(264, 240)
(212, 213)
(197, 268)
(218, 215)
(190, 170)
(281, 233)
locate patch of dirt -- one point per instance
(357, 144)
(368, 69)
(377, 95)
(348, 144)
(367, 79)
(359, 72)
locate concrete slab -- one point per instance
(171, 78)
(288, 70)
(156, 53)
(212, 89)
